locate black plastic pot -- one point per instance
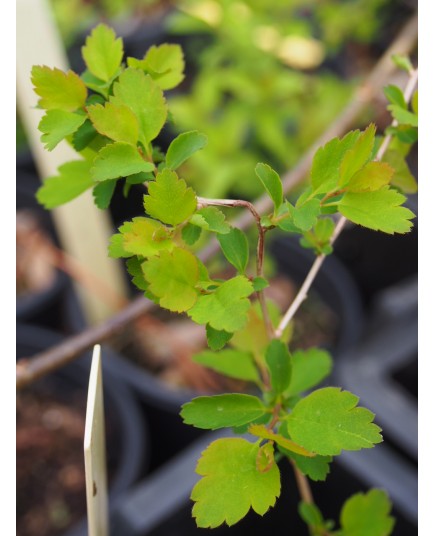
(378, 260)
(160, 505)
(129, 450)
(383, 373)
(162, 404)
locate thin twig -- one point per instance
(45, 362)
(305, 287)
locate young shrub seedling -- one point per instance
(112, 115)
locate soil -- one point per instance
(51, 492)
(164, 344)
(50, 464)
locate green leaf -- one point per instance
(372, 176)
(184, 146)
(380, 210)
(395, 96)
(172, 277)
(367, 514)
(305, 216)
(217, 339)
(232, 484)
(191, 234)
(84, 136)
(169, 199)
(402, 62)
(260, 430)
(232, 363)
(145, 99)
(102, 52)
(99, 86)
(134, 268)
(211, 219)
(116, 248)
(310, 514)
(327, 161)
(73, 179)
(222, 411)
(265, 457)
(278, 361)
(402, 178)
(259, 283)
(235, 248)
(103, 193)
(271, 182)
(357, 156)
(58, 90)
(316, 468)
(145, 237)
(253, 337)
(117, 122)
(404, 117)
(165, 63)
(319, 237)
(309, 367)
(57, 125)
(118, 159)
(226, 308)
(327, 421)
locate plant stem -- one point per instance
(260, 249)
(60, 355)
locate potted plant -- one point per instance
(113, 130)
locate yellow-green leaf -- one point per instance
(117, 122)
(169, 199)
(118, 159)
(172, 277)
(103, 52)
(56, 125)
(58, 90)
(232, 483)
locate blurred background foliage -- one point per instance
(263, 79)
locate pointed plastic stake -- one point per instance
(95, 452)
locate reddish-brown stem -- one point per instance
(202, 201)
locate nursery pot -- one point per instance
(127, 446)
(162, 403)
(44, 306)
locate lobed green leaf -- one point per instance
(139, 92)
(379, 210)
(172, 277)
(118, 159)
(232, 483)
(117, 122)
(169, 199)
(367, 514)
(58, 90)
(226, 308)
(102, 52)
(327, 421)
(73, 179)
(56, 125)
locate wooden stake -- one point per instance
(83, 229)
(95, 453)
